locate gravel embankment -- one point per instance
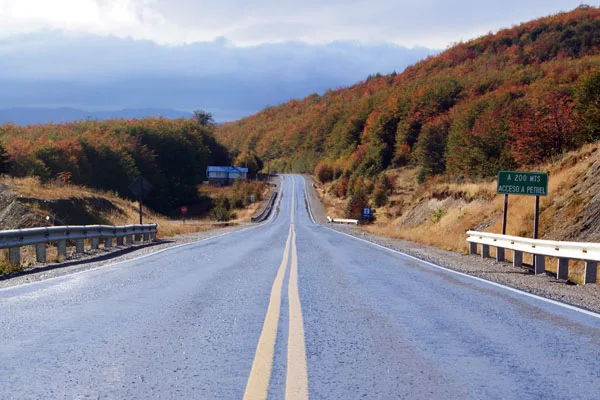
(521, 278)
(93, 259)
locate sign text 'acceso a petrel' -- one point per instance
(523, 183)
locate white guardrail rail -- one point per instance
(341, 221)
(540, 249)
(13, 240)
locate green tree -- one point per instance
(588, 107)
(204, 118)
(250, 161)
(4, 160)
(431, 148)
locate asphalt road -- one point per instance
(289, 309)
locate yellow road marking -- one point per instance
(260, 374)
(296, 381)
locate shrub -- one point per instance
(222, 209)
(324, 172)
(437, 215)
(358, 201)
(380, 197)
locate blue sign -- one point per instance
(367, 212)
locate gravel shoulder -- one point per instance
(93, 259)
(316, 206)
(522, 278)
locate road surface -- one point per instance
(289, 309)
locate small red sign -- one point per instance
(184, 209)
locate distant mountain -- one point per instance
(30, 116)
(52, 70)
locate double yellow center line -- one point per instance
(296, 383)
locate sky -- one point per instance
(427, 23)
(235, 57)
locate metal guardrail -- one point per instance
(540, 249)
(341, 221)
(264, 214)
(14, 239)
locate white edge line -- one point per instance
(518, 291)
(129, 260)
(308, 201)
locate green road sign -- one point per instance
(524, 183)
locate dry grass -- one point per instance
(32, 187)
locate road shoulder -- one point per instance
(93, 259)
(521, 278)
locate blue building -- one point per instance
(223, 176)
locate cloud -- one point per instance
(92, 72)
(430, 23)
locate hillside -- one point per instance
(503, 101)
(109, 155)
(438, 213)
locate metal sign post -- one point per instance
(523, 183)
(536, 217)
(504, 213)
(140, 188)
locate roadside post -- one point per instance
(140, 188)
(184, 211)
(526, 184)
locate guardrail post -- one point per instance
(517, 258)
(120, 240)
(138, 237)
(562, 270)
(108, 242)
(40, 252)
(129, 239)
(62, 248)
(540, 264)
(472, 247)
(95, 243)
(79, 247)
(14, 255)
(500, 254)
(146, 236)
(153, 236)
(591, 268)
(485, 251)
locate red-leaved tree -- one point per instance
(544, 128)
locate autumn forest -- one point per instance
(507, 100)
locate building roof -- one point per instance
(213, 168)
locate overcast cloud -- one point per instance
(428, 23)
(96, 73)
(230, 57)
